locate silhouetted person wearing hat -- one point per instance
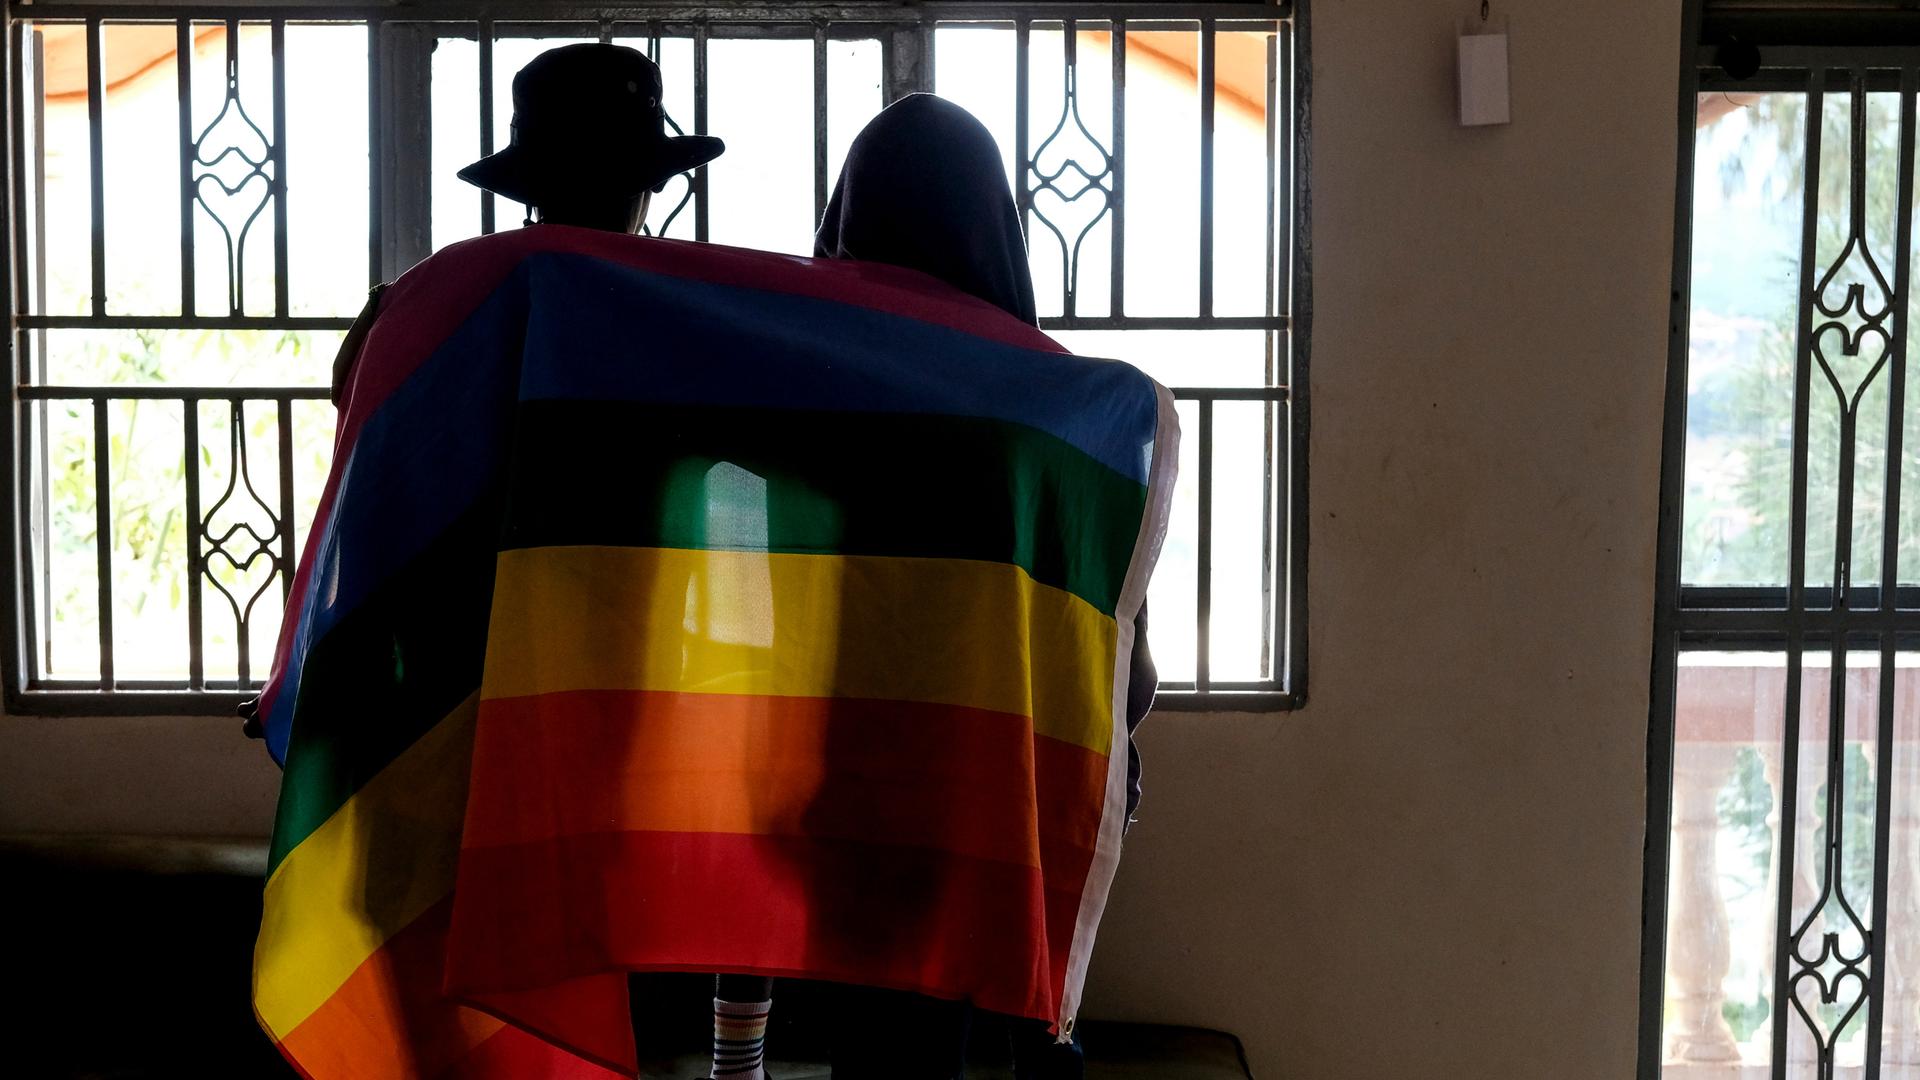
(590, 148)
(590, 143)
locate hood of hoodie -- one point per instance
(924, 187)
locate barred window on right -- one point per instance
(1783, 916)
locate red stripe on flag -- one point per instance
(540, 914)
(513, 1054)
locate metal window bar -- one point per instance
(183, 63)
(485, 41)
(1116, 288)
(16, 216)
(103, 538)
(277, 151)
(17, 433)
(702, 205)
(929, 57)
(376, 185)
(283, 525)
(1208, 80)
(1203, 588)
(1890, 563)
(1022, 116)
(33, 359)
(653, 32)
(1796, 571)
(1272, 343)
(196, 565)
(821, 181)
(906, 33)
(171, 322)
(96, 160)
(13, 657)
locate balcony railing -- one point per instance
(1730, 719)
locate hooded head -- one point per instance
(924, 187)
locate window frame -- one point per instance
(401, 43)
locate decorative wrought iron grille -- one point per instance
(1783, 857)
(324, 87)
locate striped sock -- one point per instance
(740, 1039)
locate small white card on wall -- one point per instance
(1483, 80)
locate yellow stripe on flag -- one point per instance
(386, 856)
(748, 622)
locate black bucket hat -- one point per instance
(587, 120)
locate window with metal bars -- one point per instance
(1782, 934)
(200, 196)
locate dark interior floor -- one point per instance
(129, 960)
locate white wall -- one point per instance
(1433, 870)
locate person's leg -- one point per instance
(1038, 1055)
(894, 1035)
(741, 1006)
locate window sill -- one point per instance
(133, 701)
(127, 702)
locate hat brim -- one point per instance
(525, 177)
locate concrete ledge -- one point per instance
(167, 855)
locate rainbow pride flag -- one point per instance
(674, 607)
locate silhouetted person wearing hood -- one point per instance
(924, 187)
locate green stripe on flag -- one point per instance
(683, 476)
